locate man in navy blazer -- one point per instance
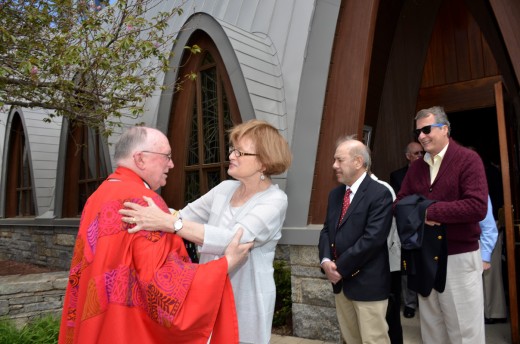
(353, 252)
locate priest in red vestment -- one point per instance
(142, 287)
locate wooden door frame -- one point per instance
(345, 98)
(508, 213)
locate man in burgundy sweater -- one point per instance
(454, 177)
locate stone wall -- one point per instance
(314, 311)
(24, 297)
(49, 246)
(314, 314)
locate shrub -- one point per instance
(283, 306)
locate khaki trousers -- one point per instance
(362, 321)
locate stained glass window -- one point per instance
(208, 141)
(86, 168)
(202, 112)
(19, 197)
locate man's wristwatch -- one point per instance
(177, 225)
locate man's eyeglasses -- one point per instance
(427, 129)
(239, 153)
(166, 155)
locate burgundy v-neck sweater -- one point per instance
(460, 190)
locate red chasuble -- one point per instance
(142, 287)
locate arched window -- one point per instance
(202, 112)
(19, 191)
(85, 167)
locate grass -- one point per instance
(42, 330)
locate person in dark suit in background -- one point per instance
(412, 152)
(353, 248)
(454, 177)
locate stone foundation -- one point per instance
(314, 311)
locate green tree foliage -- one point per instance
(93, 64)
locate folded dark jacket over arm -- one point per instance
(410, 215)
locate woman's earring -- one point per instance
(262, 177)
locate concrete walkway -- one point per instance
(276, 339)
(495, 334)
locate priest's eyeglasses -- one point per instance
(166, 155)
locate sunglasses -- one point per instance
(427, 129)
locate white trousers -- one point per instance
(456, 315)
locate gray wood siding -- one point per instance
(44, 141)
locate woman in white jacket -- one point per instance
(251, 202)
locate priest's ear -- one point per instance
(138, 160)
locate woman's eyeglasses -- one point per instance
(239, 153)
(427, 129)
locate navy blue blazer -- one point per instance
(359, 241)
(409, 217)
(424, 250)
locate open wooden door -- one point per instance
(508, 214)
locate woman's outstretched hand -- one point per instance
(151, 218)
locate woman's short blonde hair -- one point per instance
(272, 149)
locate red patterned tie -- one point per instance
(346, 203)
